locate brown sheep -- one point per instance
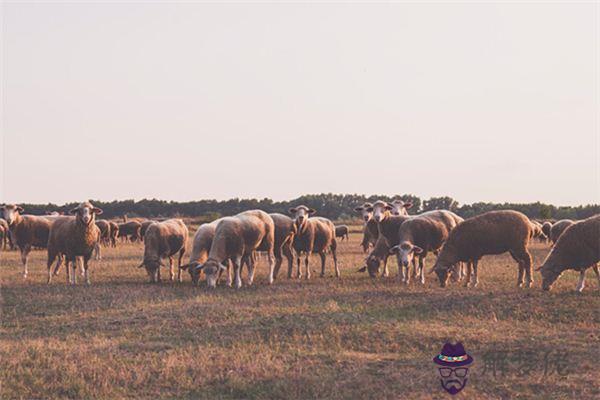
(342, 231)
(114, 233)
(378, 255)
(164, 240)
(27, 231)
(236, 239)
(130, 230)
(74, 237)
(537, 232)
(558, 228)
(370, 231)
(420, 235)
(104, 240)
(285, 229)
(144, 228)
(493, 232)
(4, 234)
(313, 235)
(578, 248)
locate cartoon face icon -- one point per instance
(453, 379)
(452, 364)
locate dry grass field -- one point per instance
(324, 338)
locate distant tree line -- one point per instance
(333, 206)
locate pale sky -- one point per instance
(481, 102)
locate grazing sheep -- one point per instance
(130, 230)
(285, 229)
(236, 239)
(201, 244)
(114, 233)
(558, 228)
(493, 232)
(164, 240)
(370, 230)
(74, 237)
(26, 231)
(546, 228)
(342, 231)
(144, 227)
(104, 239)
(578, 248)
(313, 235)
(378, 255)
(420, 235)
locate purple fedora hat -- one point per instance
(453, 355)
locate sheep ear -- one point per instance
(292, 210)
(97, 211)
(73, 210)
(359, 209)
(369, 209)
(311, 211)
(388, 207)
(395, 249)
(407, 205)
(20, 209)
(363, 269)
(417, 249)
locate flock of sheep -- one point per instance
(228, 244)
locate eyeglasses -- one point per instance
(459, 372)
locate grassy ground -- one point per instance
(325, 338)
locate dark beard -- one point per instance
(453, 386)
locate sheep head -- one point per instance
(399, 207)
(300, 215)
(381, 210)
(211, 269)
(366, 211)
(11, 212)
(86, 212)
(405, 252)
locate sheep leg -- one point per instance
(415, 271)
(67, 266)
(74, 271)
(468, 276)
(171, 270)
(86, 274)
(51, 258)
(581, 282)
(278, 261)
(229, 277)
(335, 261)
(323, 258)
(386, 271)
(421, 271)
(299, 274)
(523, 257)
(24, 254)
(306, 266)
(237, 266)
(97, 255)
(181, 253)
(271, 261)
(287, 252)
(250, 264)
(475, 276)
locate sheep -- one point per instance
(72, 237)
(400, 207)
(558, 228)
(342, 231)
(4, 234)
(420, 235)
(546, 228)
(104, 239)
(370, 231)
(130, 230)
(114, 233)
(285, 229)
(313, 235)
(378, 255)
(493, 232)
(164, 240)
(537, 232)
(201, 244)
(144, 227)
(235, 239)
(26, 231)
(578, 248)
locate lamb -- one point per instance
(342, 231)
(164, 240)
(74, 237)
(493, 232)
(27, 231)
(313, 235)
(114, 233)
(285, 229)
(420, 235)
(578, 248)
(370, 230)
(130, 230)
(558, 228)
(201, 244)
(236, 238)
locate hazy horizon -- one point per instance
(479, 102)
